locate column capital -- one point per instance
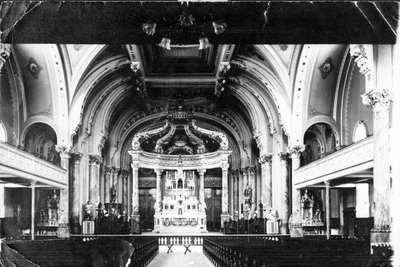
(377, 99)
(33, 183)
(135, 166)
(5, 52)
(265, 158)
(252, 170)
(201, 171)
(224, 166)
(108, 170)
(95, 159)
(115, 170)
(327, 183)
(77, 156)
(65, 151)
(295, 151)
(125, 173)
(357, 51)
(283, 156)
(158, 171)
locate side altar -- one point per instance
(180, 209)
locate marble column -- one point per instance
(284, 193)
(235, 176)
(63, 220)
(328, 209)
(94, 180)
(266, 181)
(295, 152)
(252, 178)
(225, 214)
(135, 217)
(125, 191)
(5, 51)
(107, 184)
(76, 192)
(379, 100)
(33, 185)
(114, 183)
(158, 204)
(201, 189)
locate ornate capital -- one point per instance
(357, 51)
(77, 156)
(224, 166)
(377, 99)
(115, 170)
(283, 156)
(125, 173)
(295, 151)
(201, 171)
(265, 158)
(158, 171)
(108, 170)
(65, 151)
(5, 51)
(95, 159)
(252, 170)
(135, 166)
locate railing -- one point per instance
(354, 158)
(12, 258)
(22, 164)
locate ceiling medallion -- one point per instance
(326, 67)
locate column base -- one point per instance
(135, 224)
(224, 218)
(380, 237)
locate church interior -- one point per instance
(251, 133)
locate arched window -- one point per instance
(3, 133)
(360, 131)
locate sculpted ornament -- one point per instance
(5, 51)
(265, 159)
(375, 97)
(295, 151)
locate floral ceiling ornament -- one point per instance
(326, 67)
(219, 26)
(185, 19)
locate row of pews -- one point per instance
(282, 251)
(98, 252)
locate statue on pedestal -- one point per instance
(113, 197)
(307, 204)
(53, 205)
(88, 212)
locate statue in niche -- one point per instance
(88, 212)
(307, 203)
(180, 183)
(113, 192)
(53, 204)
(247, 194)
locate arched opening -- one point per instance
(40, 140)
(360, 131)
(320, 141)
(3, 133)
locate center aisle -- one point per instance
(174, 259)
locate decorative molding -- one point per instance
(165, 139)
(147, 182)
(219, 136)
(378, 99)
(212, 182)
(357, 51)
(146, 134)
(95, 159)
(5, 52)
(295, 151)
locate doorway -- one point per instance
(147, 199)
(349, 216)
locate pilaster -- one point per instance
(224, 215)
(76, 189)
(266, 181)
(295, 152)
(285, 192)
(201, 189)
(94, 179)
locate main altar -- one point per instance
(179, 152)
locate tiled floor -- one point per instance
(178, 259)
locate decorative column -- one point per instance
(328, 209)
(94, 178)
(285, 193)
(224, 215)
(235, 176)
(63, 220)
(114, 184)
(266, 182)
(379, 100)
(107, 183)
(135, 217)
(5, 51)
(125, 192)
(252, 175)
(158, 206)
(201, 190)
(76, 187)
(295, 152)
(33, 184)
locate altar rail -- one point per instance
(354, 158)
(22, 164)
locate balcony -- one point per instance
(20, 167)
(351, 159)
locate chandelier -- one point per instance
(185, 24)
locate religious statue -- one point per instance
(52, 205)
(113, 192)
(272, 215)
(88, 212)
(247, 194)
(307, 204)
